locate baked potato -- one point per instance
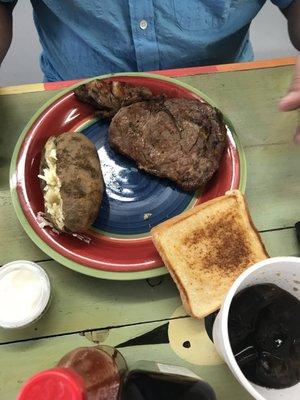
(71, 181)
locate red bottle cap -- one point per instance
(56, 383)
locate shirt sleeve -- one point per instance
(282, 3)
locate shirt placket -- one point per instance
(143, 34)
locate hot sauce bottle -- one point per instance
(86, 373)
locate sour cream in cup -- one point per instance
(25, 293)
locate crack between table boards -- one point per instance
(251, 146)
(83, 332)
(260, 231)
(276, 229)
(44, 260)
(36, 261)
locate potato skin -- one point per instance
(43, 165)
(79, 171)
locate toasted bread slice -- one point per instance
(206, 248)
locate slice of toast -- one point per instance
(206, 248)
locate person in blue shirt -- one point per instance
(83, 38)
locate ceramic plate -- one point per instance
(134, 201)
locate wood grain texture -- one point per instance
(83, 303)
(20, 360)
(273, 192)
(281, 243)
(273, 185)
(14, 243)
(114, 312)
(15, 112)
(249, 99)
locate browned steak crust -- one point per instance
(179, 139)
(109, 97)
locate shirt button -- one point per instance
(143, 24)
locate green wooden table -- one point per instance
(145, 317)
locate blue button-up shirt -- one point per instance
(82, 38)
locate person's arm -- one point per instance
(5, 29)
(292, 13)
(291, 101)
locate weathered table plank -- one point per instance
(273, 192)
(250, 99)
(115, 312)
(83, 303)
(273, 186)
(14, 243)
(20, 360)
(15, 112)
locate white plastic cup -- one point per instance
(283, 272)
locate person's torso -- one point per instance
(87, 38)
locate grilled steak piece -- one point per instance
(109, 97)
(179, 139)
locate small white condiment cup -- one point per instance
(25, 293)
(283, 272)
